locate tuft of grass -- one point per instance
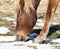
(9, 25)
(9, 34)
(6, 41)
(57, 47)
(18, 45)
(54, 35)
(7, 14)
(32, 46)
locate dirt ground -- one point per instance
(7, 7)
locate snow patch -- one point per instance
(57, 45)
(55, 40)
(14, 23)
(7, 38)
(40, 24)
(39, 20)
(45, 46)
(4, 30)
(9, 46)
(54, 23)
(8, 19)
(25, 45)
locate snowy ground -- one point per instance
(4, 30)
(25, 45)
(8, 42)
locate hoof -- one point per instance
(37, 40)
(40, 41)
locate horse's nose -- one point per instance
(19, 38)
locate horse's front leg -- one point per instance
(52, 5)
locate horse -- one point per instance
(27, 17)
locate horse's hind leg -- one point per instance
(52, 5)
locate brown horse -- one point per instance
(27, 17)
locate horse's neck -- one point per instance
(37, 3)
(29, 4)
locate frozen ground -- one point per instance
(8, 42)
(12, 38)
(4, 30)
(8, 19)
(24, 45)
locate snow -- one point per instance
(57, 45)
(56, 40)
(8, 19)
(10, 46)
(4, 30)
(54, 23)
(39, 24)
(58, 32)
(14, 23)
(39, 20)
(7, 38)
(12, 38)
(45, 46)
(24, 45)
